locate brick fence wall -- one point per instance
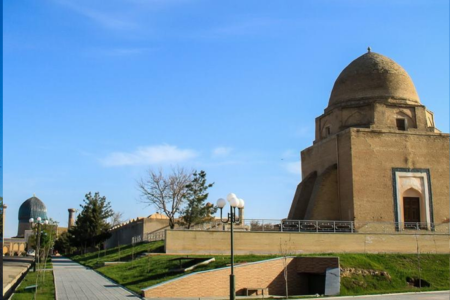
(265, 274)
(218, 242)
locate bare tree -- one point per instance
(116, 219)
(286, 252)
(166, 192)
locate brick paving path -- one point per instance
(75, 282)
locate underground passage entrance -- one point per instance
(313, 283)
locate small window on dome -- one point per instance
(401, 124)
(327, 131)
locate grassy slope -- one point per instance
(434, 269)
(46, 287)
(147, 271)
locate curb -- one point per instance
(390, 294)
(11, 287)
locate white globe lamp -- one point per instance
(221, 203)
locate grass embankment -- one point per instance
(400, 267)
(46, 287)
(147, 271)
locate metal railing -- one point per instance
(155, 236)
(326, 226)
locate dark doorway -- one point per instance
(313, 283)
(411, 208)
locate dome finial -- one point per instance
(369, 49)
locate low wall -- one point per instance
(218, 242)
(134, 232)
(264, 274)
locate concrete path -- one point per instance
(75, 282)
(13, 268)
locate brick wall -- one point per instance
(265, 274)
(218, 242)
(316, 265)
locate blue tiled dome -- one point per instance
(32, 208)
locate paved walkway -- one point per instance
(13, 268)
(75, 282)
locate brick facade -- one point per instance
(218, 242)
(265, 274)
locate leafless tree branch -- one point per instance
(166, 192)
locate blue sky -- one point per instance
(98, 92)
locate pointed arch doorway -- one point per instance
(413, 204)
(412, 207)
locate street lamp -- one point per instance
(231, 218)
(38, 238)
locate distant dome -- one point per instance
(373, 76)
(32, 208)
(157, 215)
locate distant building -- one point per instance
(31, 208)
(377, 155)
(137, 230)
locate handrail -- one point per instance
(328, 226)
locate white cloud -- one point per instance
(160, 154)
(222, 151)
(293, 167)
(290, 154)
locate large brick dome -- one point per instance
(373, 77)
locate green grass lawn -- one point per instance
(124, 253)
(147, 271)
(434, 269)
(46, 287)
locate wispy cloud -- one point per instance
(293, 167)
(304, 131)
(245, 27)
(290, 154)
(149, 155)
(119, 14)
(221, 151)
(124, 51)
(128, 51)
(102, 17)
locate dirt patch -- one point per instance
(349, 272)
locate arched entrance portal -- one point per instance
(413, 202)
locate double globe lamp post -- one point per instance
(235, 202)
(39, 222)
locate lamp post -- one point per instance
(231, 219)
(38, 238)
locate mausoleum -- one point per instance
(377, 155)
